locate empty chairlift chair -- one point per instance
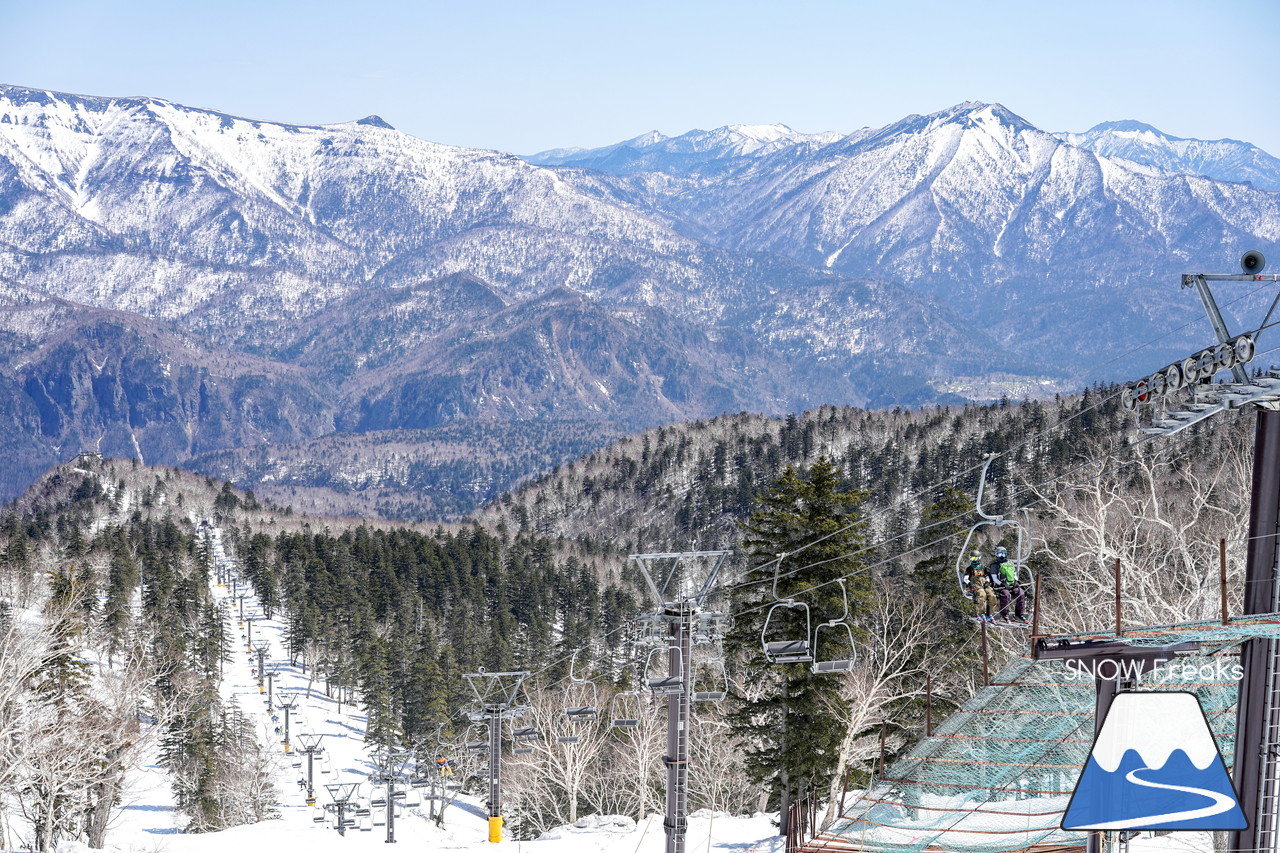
(660, 684)
(579, 701)
(782, 645)
(710, 680)
(522, 740)
(579, 697)
(472, 744)
(624, 710)
(841, 653)
(783, 640)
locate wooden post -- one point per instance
(986, 674)
(928, 704)
(1119, 630)
(1222, 576)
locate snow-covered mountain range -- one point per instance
(978, 209)
(1220, 159)
(384, 282)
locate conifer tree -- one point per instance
(806, 530)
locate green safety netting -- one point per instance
(998, 774)
(1211, 632)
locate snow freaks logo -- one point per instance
(1129, 670)
(1154, 765)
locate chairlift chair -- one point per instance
(711, 689)
(620, 704)
(522, 739)
(1021, 548)
(786, 648)
(578, 695)
(779, 645)
(842, 663)
(664, 685)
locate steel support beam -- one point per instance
(678, 720)
(1219, 325)
(1256, 656)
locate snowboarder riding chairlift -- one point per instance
(1004, 577)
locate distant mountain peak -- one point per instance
(644, 140)
(1220, 159)
(980, 113)
(375, 121)
(1128, 126)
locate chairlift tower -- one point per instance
(287, 701)
(261, 650)
(341, 794)
(390, 763)
(1257, 742)
(496, 694)
(310, 746)
(679, 583)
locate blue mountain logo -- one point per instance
(1155, 765)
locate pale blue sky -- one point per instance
(525, 76)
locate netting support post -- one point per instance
(1222, 577)
(928, 704)
(1255, 706)
(986, 669)
(1119, 623)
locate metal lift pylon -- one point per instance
(496, 694)
(680, 593)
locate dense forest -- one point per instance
(392, 616)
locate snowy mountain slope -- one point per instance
(975, 207)
(274, 218)
(1220, 159)
(76, 377)
(386, 283)
(399, 283)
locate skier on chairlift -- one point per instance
(978, 582)
(1004, 576)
